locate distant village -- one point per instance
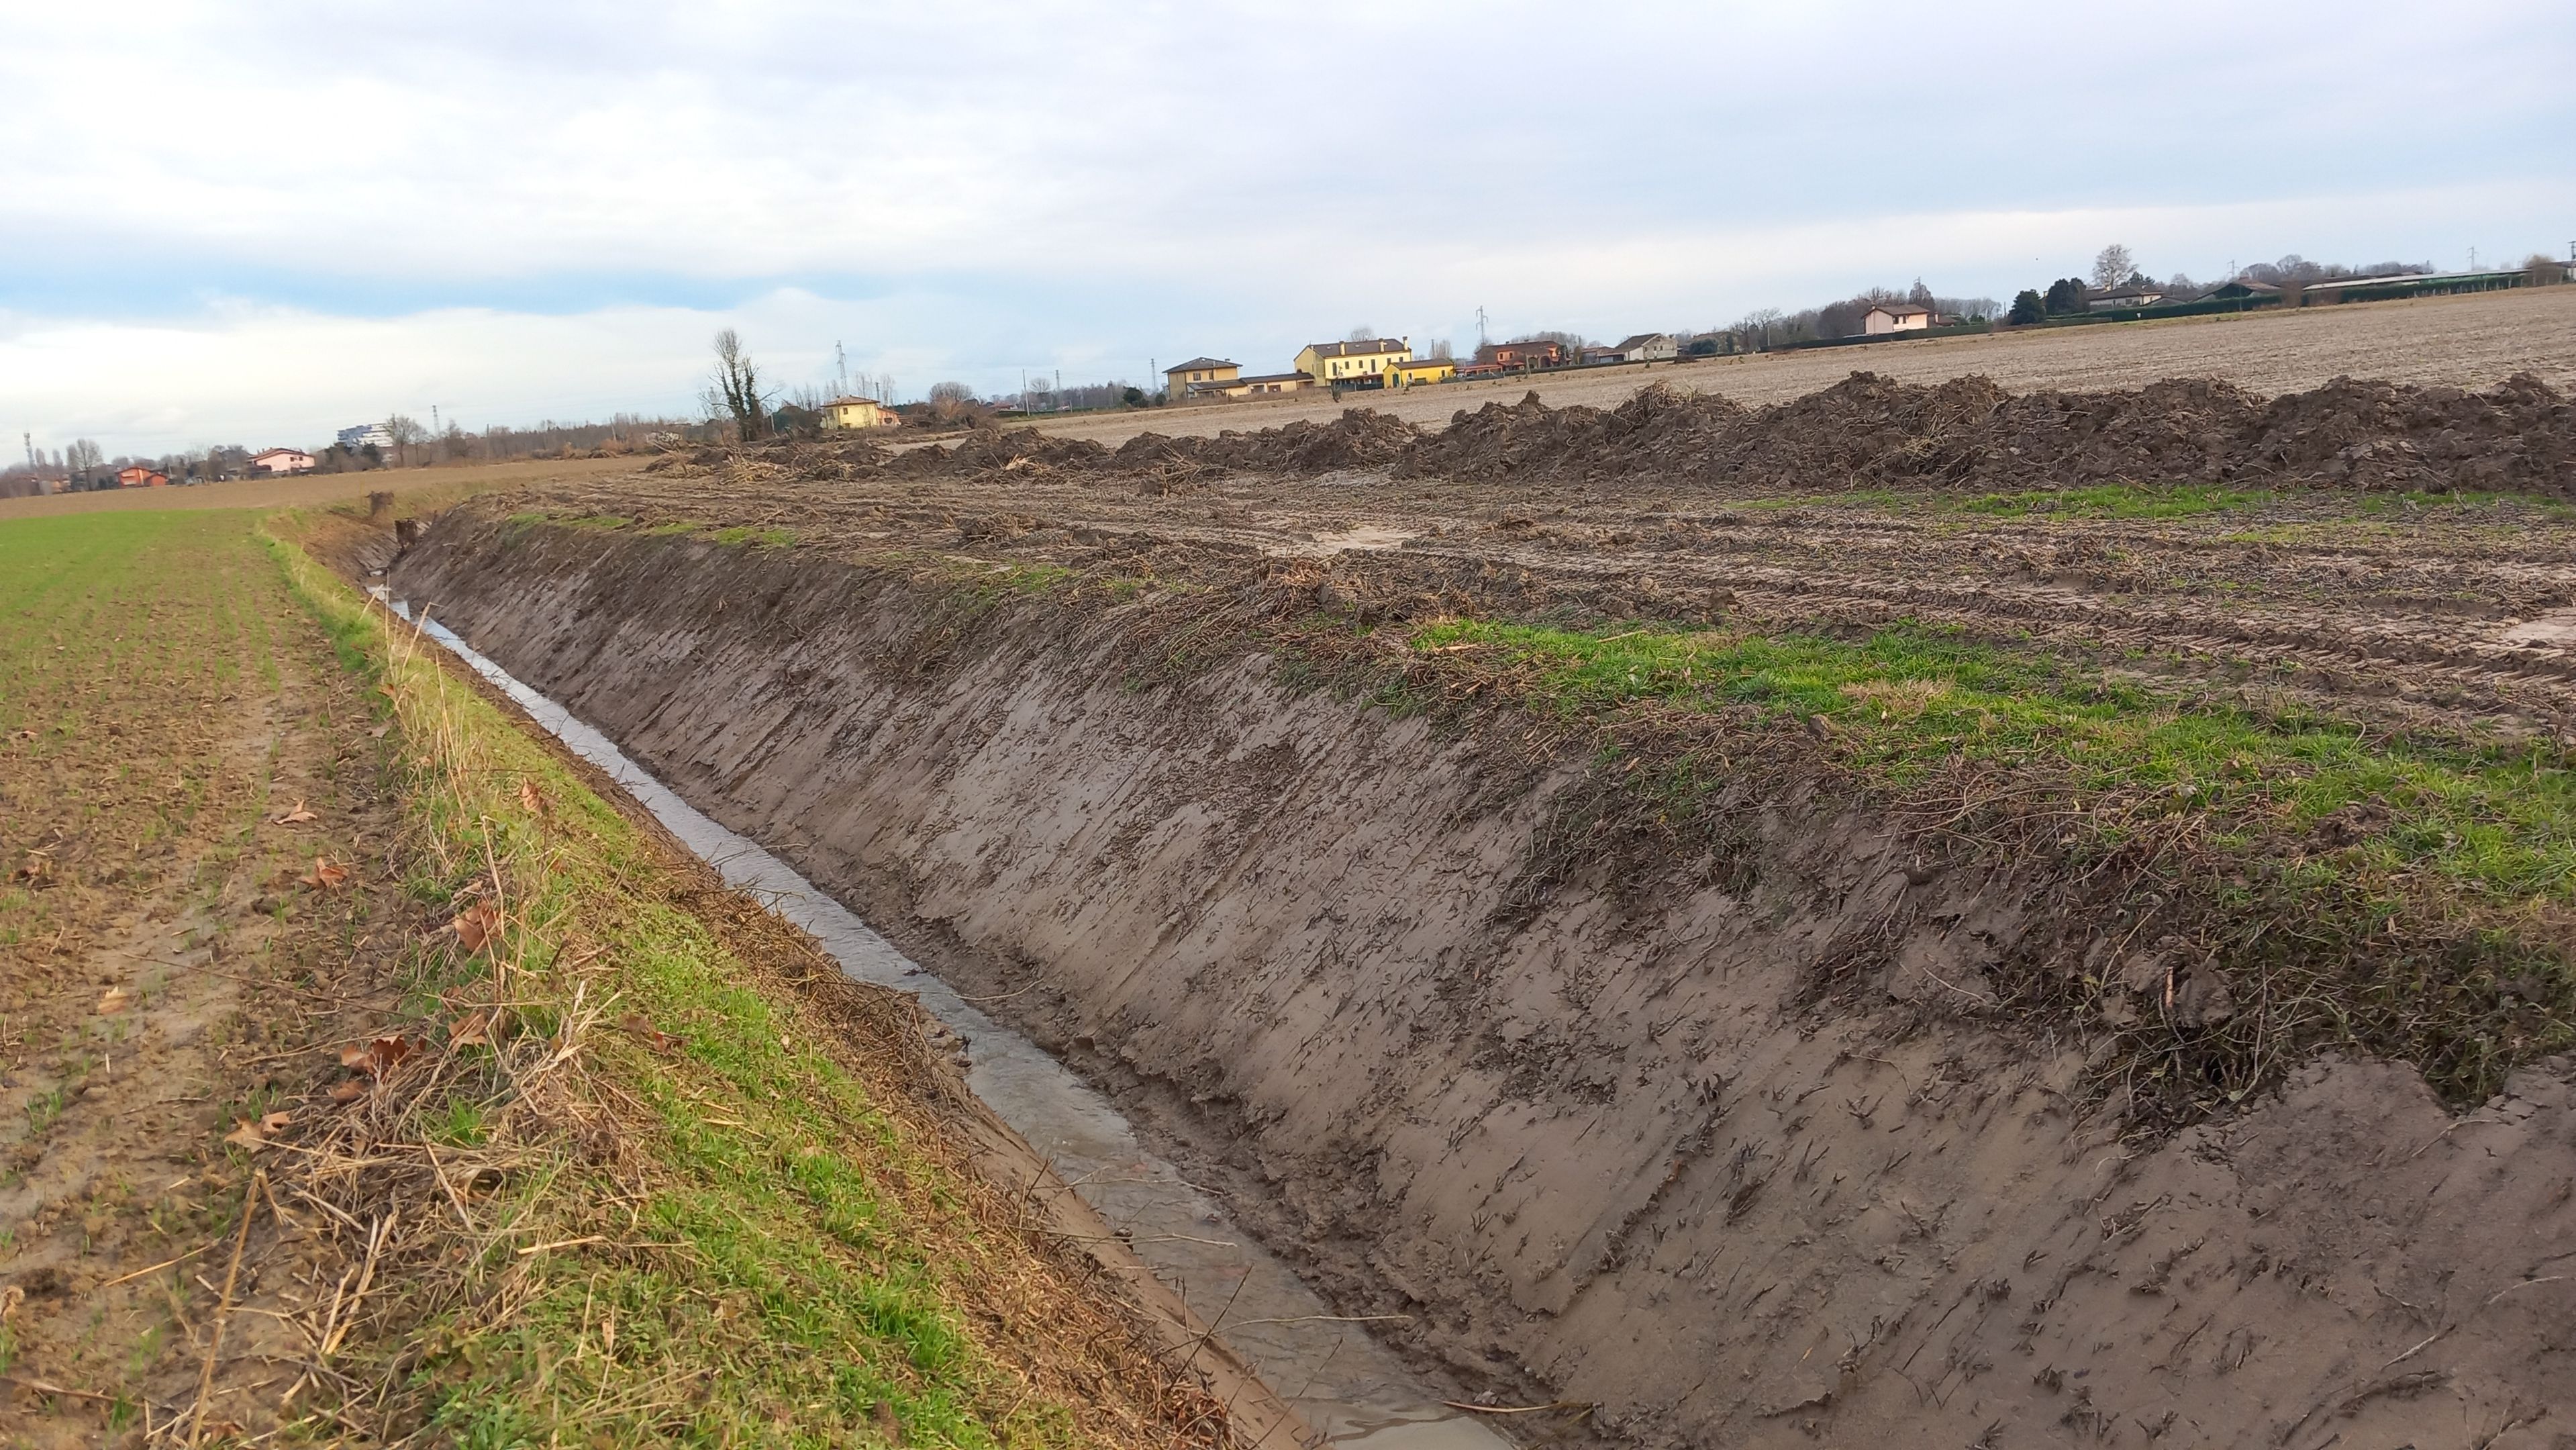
(2116, 292)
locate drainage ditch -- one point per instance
(1351, 1390)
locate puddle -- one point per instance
(1364, 536)
(2557, 627)
(1348, 1387)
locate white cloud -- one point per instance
(544, 207)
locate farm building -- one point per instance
(1346, 363)
(1647, 347)
(1413, 372)
(275, 461)
(2412, 284)
(1893, 317)
(849, 413)
(1193, 377)
(135, 475)
(366, 435)
(1528, 352)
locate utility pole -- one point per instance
(1480, 328)
(33, 467)
(840, 371)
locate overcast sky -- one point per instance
(256, 222)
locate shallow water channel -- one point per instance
(1352, 1390)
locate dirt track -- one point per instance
(2472, 341)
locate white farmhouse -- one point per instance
(1890, 317)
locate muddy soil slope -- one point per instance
(1587, 1131)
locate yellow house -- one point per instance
(857, 413)
(1200, 375)
(1352, 362)
(1412, 371)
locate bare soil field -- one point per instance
(2471, 341)
(1914, 913)
(318, 490)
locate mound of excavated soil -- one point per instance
(1865, 432)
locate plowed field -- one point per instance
(2472, 341)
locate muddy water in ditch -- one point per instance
(1347, 1386)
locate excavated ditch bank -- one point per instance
(1588, 1145)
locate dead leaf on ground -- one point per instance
(348, 1092)
(294, 815)
(113, 1001)
(10, 1299)
(326, 876)
(37, 870)
(378, 1057)
(476, 926)
(253, 1133)
(474, 1031)
(533, 799)
(24, 735)
(659, 1040)
(379, 732)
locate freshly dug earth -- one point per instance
(327, 1130)
(1864, 432)
(1953, 962)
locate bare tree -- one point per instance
(1363, 333)
(734, 390)
(948, 400)
(2112, 266)
(2543, 270)
(404, 432)
(1441, 350)
(83, 457)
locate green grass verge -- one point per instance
(2118, 501)
(725, 1235)
(2495, 821)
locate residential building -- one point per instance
(364, 436)
(1648, 347)
(1186, 379)
(135, 475)
(2117, 297)
(1887, 318)
(1344, 364)
(1415, 371)
(1520, 356)
(275, 461)
(1257, 385)
(845, 413)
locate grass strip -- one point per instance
(640, 1194)
(2497, 821)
